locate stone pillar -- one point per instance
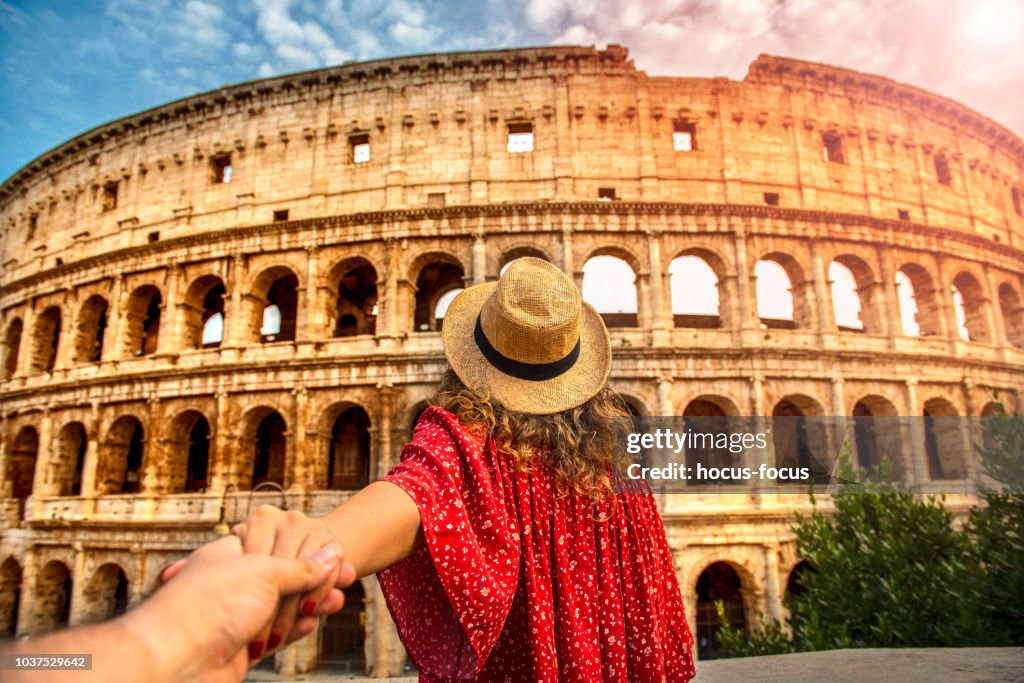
(773, 584)
(169, 340)
(91, 463)
(28, 343)
(665, 407)
(137, 589)
(384, 459)
(220, 450)
(479, 258)
(66, 338)
(822, 297)
(153, 463)
(970, 430)
(79, 606)
(839, 430)
(297, 460)
(889, 295)
(26, 606)
(234, 314)
(389, 310)
(6, 485)
(44, 462)
(660, 314)
(311, 307)
(568, 265)
(385, 655)
(918, 470)
(746, 315)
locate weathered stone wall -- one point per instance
(124, 437)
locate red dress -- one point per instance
(518, 583)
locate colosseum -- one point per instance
(234, 298)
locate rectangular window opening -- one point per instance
(360, 148)
(832, 148)
(684, 136)
(110, 196)
(1015, 196)
(520, 138)
(903, 214)
(280, 215)
(771, 198)
(606, 194)
(942, 173)
(222, 168)
(33, 223)
(436, 199)
(153, 236)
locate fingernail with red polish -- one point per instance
(273, 641)
(308, 607)
(255, 649)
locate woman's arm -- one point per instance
(377, 527)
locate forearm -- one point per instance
(378, 527)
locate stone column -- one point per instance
(889, 295)
(840, 425)
(170, 317)
(773, 587)
(660, 314)
(918, 470)
(822, 297)
(665, 407)
(28, 343)
(384, 459)
(479, 258)
(79, 607)
(90, 465)
(309, 326)
(40, 486)
(6, 485)
(388, 311)
(137, 589)
(26, 606)
(568, 265)
(745, 313)
(150, 482)
(234, 314)
(220, 451)
(384, 652)
(66, 339)
(297, 464)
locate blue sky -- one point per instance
(69, 66)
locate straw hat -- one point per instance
(528, 340)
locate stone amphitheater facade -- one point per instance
(319, 218)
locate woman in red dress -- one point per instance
(503, 546)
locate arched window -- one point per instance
(719, 582)
(846, 305)
(519, 252)
(21, 462)
(92, 326)
(343, 634)
(12, 347)
(774, 295)
(142, 330)
(10, 597)
(943, 440)
(609, 285)
(1013, 314)
(969, 306)
(800, 443)
(356, 304)
(119, 466)
(279, 288)
(349, 465)
(269, 452)
(106, 595)
(188, 455)
(204, 313)
(694, 288)
(213, 331)
(877, 435)
(442, 305)
(47, 340)
(52, 607)
(908, 305)
(434, 281)
(920, 307)
(71, 447)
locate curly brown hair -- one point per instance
(578, 445)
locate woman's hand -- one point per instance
(291, 534)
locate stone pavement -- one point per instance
(927, 665)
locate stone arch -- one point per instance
(415, 412)
(863, 288)
(91, 330)
(1012, 310)
(121, 454)
(920, 310)
(781, 289)
(696, 289)
(203, 312)
(343, 634)
(264, 447)
(635, 406)
(52, 599)
(106, 594)
(435, 274)
(794, 582)
(275, 305)
(709, 414)
(512, 254)
(943, 440)
(12, 347)
(21, 462)
(187, 453)
(10, 597)
(349, 449)
(46, 340)
(969, 303)
(799, 443)
(353, 304)
(609, 285)
(719, 580)
(877, 434)
(142, 321)
(69, 459)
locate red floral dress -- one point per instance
(518, 583)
